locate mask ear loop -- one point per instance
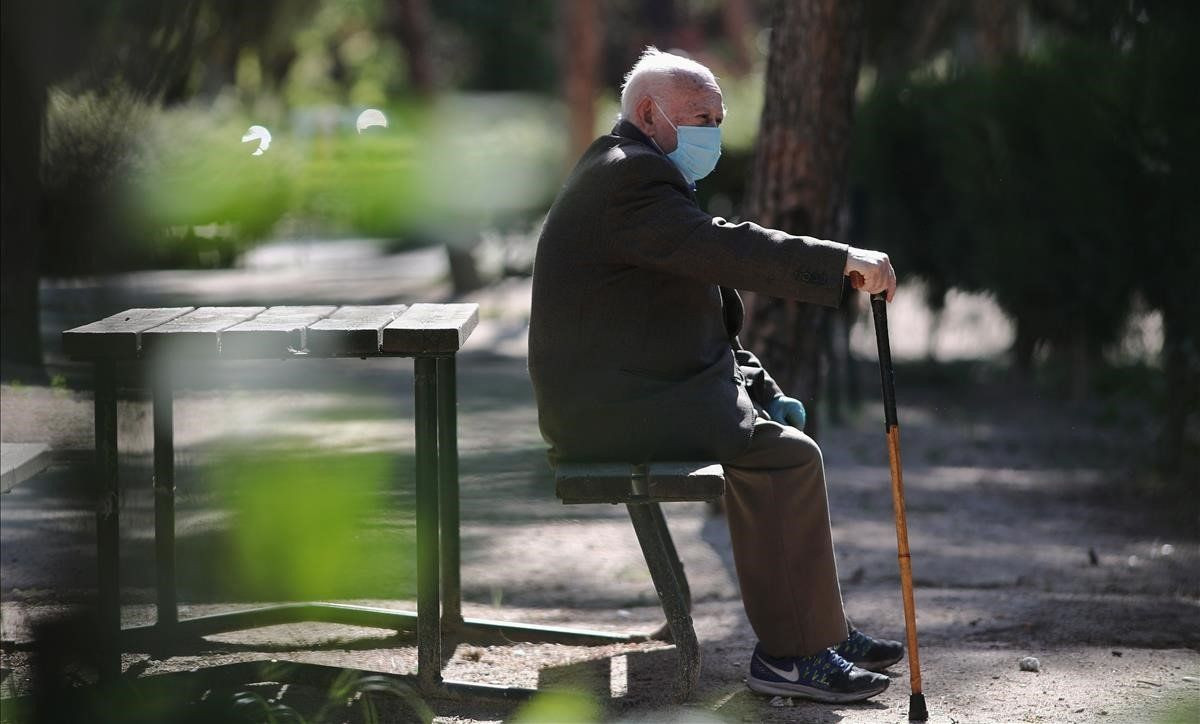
(668, 120)
(664, 114)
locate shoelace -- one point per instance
(857, 644)
(838, 662)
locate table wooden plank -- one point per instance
(118, 335)
(431, 329)
(277, 332)
(351, 330)
(20, 461)
(197, 333)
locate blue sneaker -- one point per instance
(823, 677)
(868, 652)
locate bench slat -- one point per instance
(352, 330)
(277, 332)
(624, 483)
(118, 335)
(197, 333)
(428, 329)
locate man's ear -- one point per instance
(645, 112)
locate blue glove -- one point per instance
(787, 411)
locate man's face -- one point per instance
(688, 102)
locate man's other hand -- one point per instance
(787, 411)
(875, 270)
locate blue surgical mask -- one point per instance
(697, 149)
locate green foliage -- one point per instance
(559, 707)
(495, 46)
(195, 172)
(1063, 183)
(1023, 180)
(303, 523)
(89, 146)
(319, 172)
(134, 187)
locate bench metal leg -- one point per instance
(670, 593)
(164, 501)
(447, 393)
(660, 525)
(429, 631)
(107, 522)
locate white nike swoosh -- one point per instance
(793, 676)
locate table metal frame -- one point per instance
(438, 618)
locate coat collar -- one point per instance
(626, 129)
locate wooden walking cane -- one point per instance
(916, 701)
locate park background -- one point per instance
(1030, 166)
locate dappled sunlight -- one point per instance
(370, 118)
(972, 326)
(259, 134)
(592, 562)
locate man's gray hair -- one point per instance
(654, 72)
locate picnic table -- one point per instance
(431, 334)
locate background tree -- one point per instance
(1060, 179)
(46, 43)
(127, 54)
(583, 33)
(798, 182)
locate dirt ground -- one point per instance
(1028, 534)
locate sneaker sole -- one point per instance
(877, 666)
(810, 692)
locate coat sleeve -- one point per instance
(651, 221)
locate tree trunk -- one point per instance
(582, 35)
(1181, 367)
(24, 100)
(409, 21)
(736, 21)
(1024, 348)
(996, 29)
(798, 183)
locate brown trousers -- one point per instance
(778, 514)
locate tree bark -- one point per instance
(799, 179)
(736, 21)
(410, 22)
(1181, 367)
(582, 34)
(24, 100)
(996, 29)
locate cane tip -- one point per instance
(916, 708)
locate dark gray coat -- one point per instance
(633, 346)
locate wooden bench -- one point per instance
(641, 488)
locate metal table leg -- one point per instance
(164, 501)
(447, 393)
(429, 633)
(107, 522)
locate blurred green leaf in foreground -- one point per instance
(309, 526)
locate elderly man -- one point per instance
(634, 356)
